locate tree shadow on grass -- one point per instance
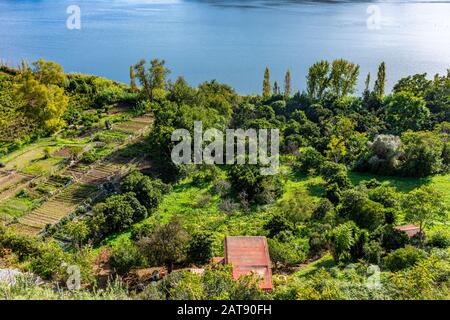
(316, 189)
(403, 184)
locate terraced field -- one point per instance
(11, 182)
(87, 183)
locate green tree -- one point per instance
(317, 79)
(247, 180)
(267, 90)
(417, 85)
(424, 206)
(276, 88)
(422, 152)
(405, 111)
(125, 256)
(166, 244)
(158, 73)
(154, 80)
(40, 92)
(49, 73)
(148, 191)
(343, 77)
(200, 248)
(380, 82)
(287, 84)
(77, 232)
(366, 92)
(117, 213)
(403, 258)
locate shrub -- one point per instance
(309, 161)
(90, 157)
(23, 246)
(141, 230)
(278, 223)
(117, 213)
(258, 188)
(200, 248)
(393, 239)
(228, 206)
(373, 252)
(318, 244)
(356, 206)
(222, 187)
(148, 191)
(124, 257)
(285, 253)
(323, 209)
(166, 244)
(49, 263)
(403, 258)
(333, 193)
(439, 240)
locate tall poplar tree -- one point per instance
(380, 83)
(366, 93)
(287, 84)
(267, 90)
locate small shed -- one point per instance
(410, 229)
(249, 255)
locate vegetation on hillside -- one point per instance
(352, 169)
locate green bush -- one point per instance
(285, 254)
(148, 191)
(309, 161)
(403, 258)
(125, 256)
(393, 239)
(200, 248)
(439, 240)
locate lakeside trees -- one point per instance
(312, 206)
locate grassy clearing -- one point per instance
(199, 206)
(199, 210)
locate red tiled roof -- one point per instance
(410, 229)
(249, 254)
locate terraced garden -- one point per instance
(29, 203)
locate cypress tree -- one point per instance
(267, 90)
(276, 88)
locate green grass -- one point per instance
(199, 210)
(15, 207)
(46, 166)
(185, 201)
(326, 262)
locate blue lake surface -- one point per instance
(231, 41)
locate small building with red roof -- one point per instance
(249, 255)
(410, 229)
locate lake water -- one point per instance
(231, 41)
